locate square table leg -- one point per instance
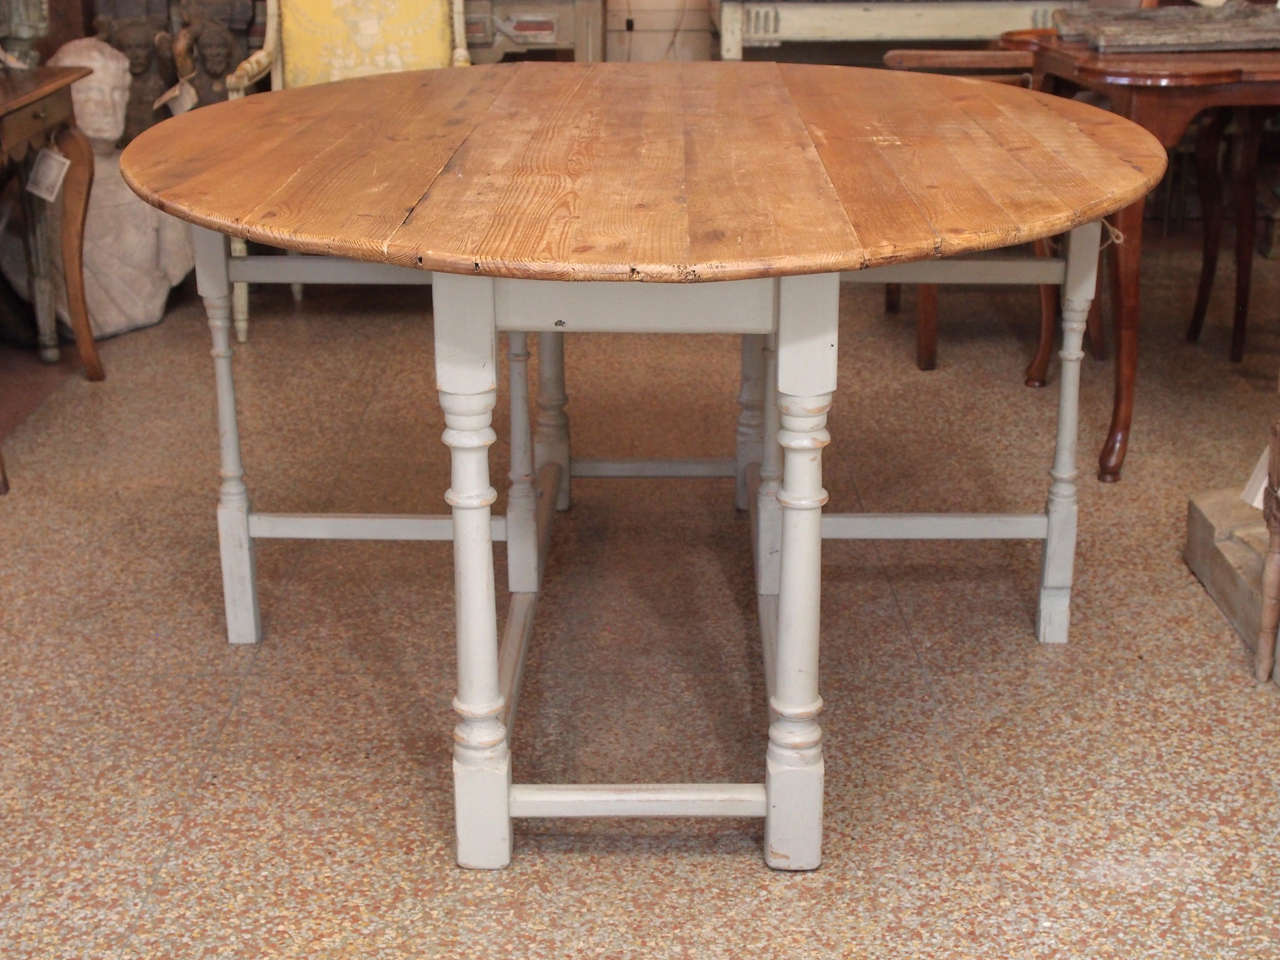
(466, 377)
(808, 316)
(235, 546)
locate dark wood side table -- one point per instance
(1162, 92)
(35, 110)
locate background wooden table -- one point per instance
(35, 110)
(1163, 92)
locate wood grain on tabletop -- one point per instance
(662, 171)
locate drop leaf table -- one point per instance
(677, 198)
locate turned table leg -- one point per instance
(75, 205)
(768, 532)
(466, 364)
(1126, 263)
(551, 437)
(522, 497)
(235, 546)
(807, 325)
(240, 294)
(749, 446)
(1060, 540)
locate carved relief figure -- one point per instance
(133, 254)
(235, 15)
(150, 66)
(213, 48)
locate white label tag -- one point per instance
(47, 174)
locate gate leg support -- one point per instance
(466, 334)
(807, 324)
(1054, 615)
(235, 547)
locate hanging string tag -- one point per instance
(47, 174)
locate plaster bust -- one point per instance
(133, 254)
(100, 99)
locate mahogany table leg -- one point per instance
(75, 204)
(892, 297)
(1246, 191)
(1126, 261)
(1038, 370)
(4, 479)
(1093, 331)
(1209, 182)
(927, 327)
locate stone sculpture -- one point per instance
(213, 49)
(235, 15)
(150, 54)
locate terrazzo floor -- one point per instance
(165, 795)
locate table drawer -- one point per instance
(21, 125)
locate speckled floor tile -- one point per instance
(166, 795)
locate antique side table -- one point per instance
(35, 110)
(666, 197)
(1162, 92)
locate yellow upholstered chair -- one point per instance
(316, 41)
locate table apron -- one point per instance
(1011, 270)
(319, 269)
(741, 306)
(559, 306)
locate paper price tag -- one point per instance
(47, 174)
